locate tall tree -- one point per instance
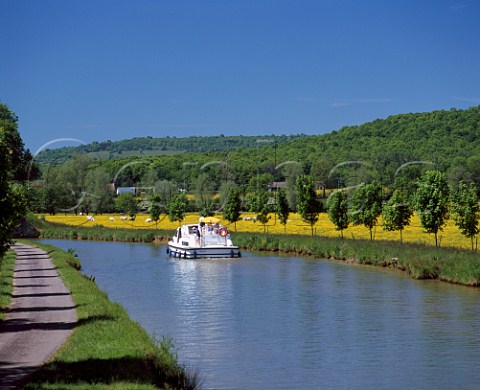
(308, 204)
(12, 156)
(281, 208)
(98, 195)
(396, 213)
(177, 208)
(337, 206)
(233, 204)
(204, 194)
(367, 206)
(465, 210)
(155, 209)
(262, 215)
(431, 202)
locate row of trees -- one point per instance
(434, 199)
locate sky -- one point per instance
(97, 70)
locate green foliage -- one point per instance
(155, 209)
(127, 203)
(396, 213)
(149, 146)
(281, 207)
(207, 209)
(431, 201)
(337, 207)
(233, 204)
(367, 206)
(465, 210)
(177, 208)
(13, 200)
(308, 204)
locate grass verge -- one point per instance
(7, 264)
(106, 349)
(421, 261)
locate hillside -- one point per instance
(444, 140)
(448, 139)
(149, 146)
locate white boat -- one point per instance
(192, 241)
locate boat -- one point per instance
(202, 241)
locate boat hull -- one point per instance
(207, 252)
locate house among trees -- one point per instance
(276, 185)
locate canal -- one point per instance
(281, 322)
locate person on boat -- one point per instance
(196, 231)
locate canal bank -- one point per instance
(275, 321)
(104, 339)
(419, 261)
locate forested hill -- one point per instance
(149, 146)
(446, 138)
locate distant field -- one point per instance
(450, 237)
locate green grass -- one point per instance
(100, 233)
(106, 349)
(7, 264)
(419, 261)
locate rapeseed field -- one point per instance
(449, 237)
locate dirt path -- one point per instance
(40, 318)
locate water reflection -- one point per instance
(269, 322)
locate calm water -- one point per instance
(269, 322)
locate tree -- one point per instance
(396, 213)
(233, 204)
(177, 208)
(465, 210)
(281, 207)
(166, 190)
(126, 203)
(431, 201)
(337, 206)
(367, 206)
(98, 197)
(12, 161)
(155, 210)
(203, 194)
(308, 204)
(262, 215)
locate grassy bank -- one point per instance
(106, 349)
(7, 263)
(418, 260)
(100, 233)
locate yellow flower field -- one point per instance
(450, 236)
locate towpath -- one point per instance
(39, 320)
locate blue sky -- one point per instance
(109, 70)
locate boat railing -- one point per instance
(212, 239)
